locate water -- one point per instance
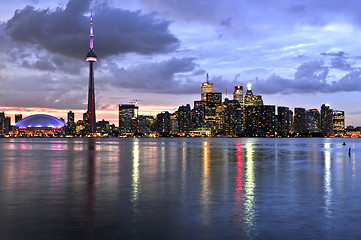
(180, 188)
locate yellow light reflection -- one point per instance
(135, 175)
(249, 203)
(327, 181)
(206, 181)
(184, 167)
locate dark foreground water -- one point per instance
(180, 188)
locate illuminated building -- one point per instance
(213, 109)
(284, 122)
(338, 121)
(174, 123)
(71, 123)
(238, 96)
(103, 126)
(326, 125)
(300, 121)
(231, 117)
(145, 124)
(18, 117)
(198, 113)
(250, 99)
(7, 125)
(206, 87)
(2, 122)
(184, 118)
(126, 113)
(91, 58)
(313, 120)
(39, 124)
(163, 123)
(86, 123)
(260, 121)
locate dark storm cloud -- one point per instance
(64, 30)
(158, 77)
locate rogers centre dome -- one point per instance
(40, 121)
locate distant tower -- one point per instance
(207, 87)
(91, 58)
(238, 94)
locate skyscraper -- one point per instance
(250, 99)
(91, 58)
(127, 112)
(338, 121)
(326, 125)
(238, 94)
(18, 117)
(260, 121)
(300, 121)
(283, 121)
(206, 87)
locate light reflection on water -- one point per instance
(179, 188)
(250, 210)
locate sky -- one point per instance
(295, 53)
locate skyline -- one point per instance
(294, 56)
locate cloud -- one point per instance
(42, 90)
(310, 77)
(169, 76)
(65, 30)
(226, 22)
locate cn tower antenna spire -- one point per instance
(91, 35)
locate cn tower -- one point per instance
(91, 57)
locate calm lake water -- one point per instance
(180, 188)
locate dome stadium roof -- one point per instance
(40, 120)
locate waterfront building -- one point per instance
(71, 123)
(86, 123)
(300, 121)
(18, 117)
(184, 118)
(126, 113)
(238, 94)
(39, 125)
(103, 126)
(163, 123)
(213, 109)
(206, 87)
(284, 123)
(326, 125)
(338, 121)
(91, 58)
(198, 114)
(2, 122)
(250, 99)
(260, 121)
(7, 125)
(174, 123)
(313, 120)
(145, 124)
(231, 117)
